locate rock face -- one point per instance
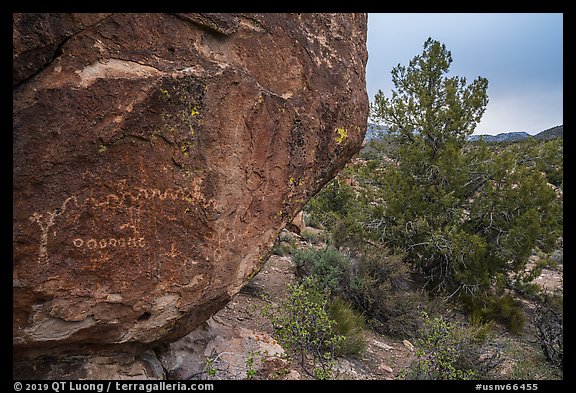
(112, 365)
(157, 156)
(297, 225)
(232, 352)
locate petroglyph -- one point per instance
(173, 251)
(45, 222)
(133, 220)
(111, 242)
(125, 196)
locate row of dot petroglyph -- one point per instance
(110, 242)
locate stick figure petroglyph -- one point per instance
(45, 222)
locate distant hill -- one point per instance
(502, 137)
(551, 133)
(377, 131)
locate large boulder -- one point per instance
(157, 156)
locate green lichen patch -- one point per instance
(182, 102)
(185, 148)
(342, 135)
(165, 93)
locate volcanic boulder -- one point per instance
(157, 156)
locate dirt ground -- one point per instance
(385, 358)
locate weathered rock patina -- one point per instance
(157, 156)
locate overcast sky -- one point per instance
(520, 54)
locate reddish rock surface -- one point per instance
(157, 156)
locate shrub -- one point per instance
(464, 213)
(331, 204)
(504, 309)
(440, 350)
(285, 244)
(348, 233)
(327, 265)
(477, 351)
(549, 323)
(306, 331)
(379, 287)
(351, 325)
(285, 249)
(310, 236)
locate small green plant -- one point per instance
(250, 370)
(379, 285)
(504, 309)
(351, 325)
(279, 374)
(310, 236)
(282, 249)
(327, 264)
(285, 244)
(209, 368)
(438, 352)
(305, 330)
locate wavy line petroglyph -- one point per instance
(124, 195)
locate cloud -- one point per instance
(521, 55)
(531, 110)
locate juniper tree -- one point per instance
(465, 216)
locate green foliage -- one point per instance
(545, 156)
(348, 232)
(379, 286)
(285, 244)
(327, 265)
(250, 370)
(466, 215)
(209, 368)
(306, 331)
(478, 351)
(311, 236)
(373, 281)
(505, 309)
(549, 160)
(351, 325)
(331, 204)
(376, 148)
(281, 249)
(443, 110)
(448, 351)
(327, 269)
